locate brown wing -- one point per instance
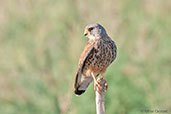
(81, 81)
(88, 48)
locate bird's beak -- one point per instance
(86, 32)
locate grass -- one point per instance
(41, 41)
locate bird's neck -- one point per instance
(94, 40)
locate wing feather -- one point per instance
(82, 82)
(87, 50)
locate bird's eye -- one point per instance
(91, 28)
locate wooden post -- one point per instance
(100, 101)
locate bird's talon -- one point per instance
(97, 85)
(100, 87)
(106, 86)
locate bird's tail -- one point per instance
(81, 83)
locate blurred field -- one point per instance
(41, 41)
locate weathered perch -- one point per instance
(100, 101)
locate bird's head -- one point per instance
(94, 31)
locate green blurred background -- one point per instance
(41, 41)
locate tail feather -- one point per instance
(79, 92)
(81, 83)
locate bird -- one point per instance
(100, 51)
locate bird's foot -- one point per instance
(106, 85)
(97, 84)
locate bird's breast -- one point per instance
(99, 59)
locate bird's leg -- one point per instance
(106, 85)
(96, 83)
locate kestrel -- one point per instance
(99, 52)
